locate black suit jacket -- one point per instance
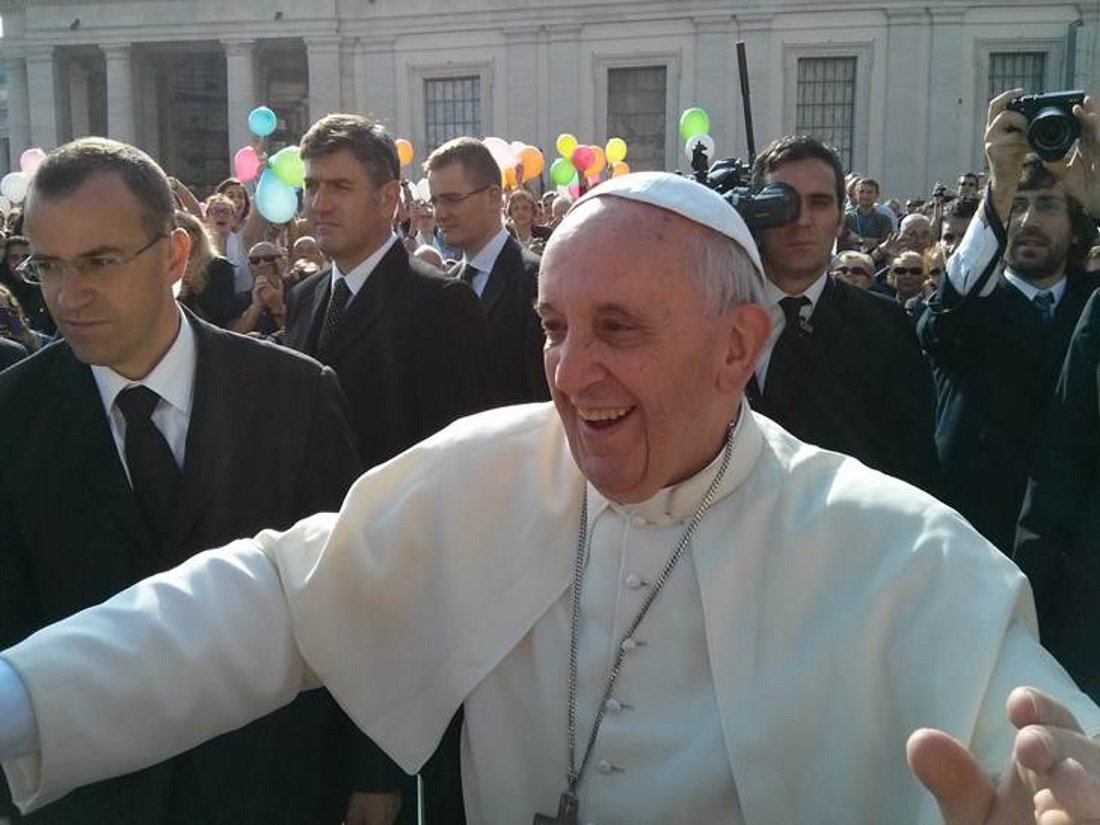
(863, 388)
(268, 442)
(10, 352)
(995, 365)
(410, 351)
(515, 332)
(1058, 539)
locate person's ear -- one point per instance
(749, 328)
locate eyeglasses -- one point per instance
(449, 199)
(902, 270)
(262, 260)
(851, 270)
(46, 271)
(1043, 204)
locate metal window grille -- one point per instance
(1012, 70)
(826, 102)
(636, 103)
(452, 108)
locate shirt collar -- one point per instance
(677, 504)
(1030, 290)
(486, 257)
(358, 275)
(773, 294)
(173, 378)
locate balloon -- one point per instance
(574, 191)
(533, 162)
(619, 169)
(598, 163)
(13, 186)
(423, 191)
(615, 150)
(517, 147)
(5, 205)
(582, 158)
(276, 201)
(288, 167)
(561, 172)
(694, 121)
(692, 142)
(262, 121)
(500, 150)
(566, 143)
(30, 160)
(405, 151)
(246, 164)
(508, 178)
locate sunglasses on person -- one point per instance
(904, 270)
(262, 260)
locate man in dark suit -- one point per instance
(842, 368)
(465, 184)
(10, 352)
(142, 438)
(997, 337)
(408, 344)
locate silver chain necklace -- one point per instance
(568, 806)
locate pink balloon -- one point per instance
(583, 157)
(574, 191)
(246, 164)
(30, 160)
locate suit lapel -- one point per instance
(507, 263)
(85, 433)
(366, 307)
(309, 312)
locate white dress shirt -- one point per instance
(772, 296)
(358, 275)
(485, 259)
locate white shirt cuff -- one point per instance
(18, 727)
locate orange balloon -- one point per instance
(405, 152)
(619, 169)
(598, 163)
(533, 162)
(509, 176)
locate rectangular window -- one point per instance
(452, 108)
(826, 106)
(1016, 70)
(636, 104)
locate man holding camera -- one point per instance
(997, 334)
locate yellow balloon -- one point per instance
(566, 144)
(509, 176)
(405, 151)
(616, 150)
(619, 169)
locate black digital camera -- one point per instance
(1052, 129)
(774, 205)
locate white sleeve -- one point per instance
(978, 256)
(18, 730)
(173, 661)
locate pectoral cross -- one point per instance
(568, 808)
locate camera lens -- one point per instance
(1052, 132)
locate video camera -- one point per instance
(1052, 129)
(776, 204)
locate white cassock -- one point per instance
(822, 613)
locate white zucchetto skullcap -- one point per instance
(685, 197)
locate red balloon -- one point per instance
(582, 158)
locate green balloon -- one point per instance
(561, 172)
(288, 167)
(694, 121)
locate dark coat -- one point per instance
(995, 364)
(864, 388)
(1058, 539)
(10, 352)
(268, 442)
(515, 332)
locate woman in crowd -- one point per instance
(14, 325)
(521, 220)
(207, 286)
(855, 268)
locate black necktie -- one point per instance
(470, 272)
(154, 473)
(341, 294)
(784, 363)
(1044, 302)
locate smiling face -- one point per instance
(643, 375)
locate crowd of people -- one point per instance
(181, 373)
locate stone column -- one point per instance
(79, 112)
(905, 135)
(948, 142)
(323, 57)
(349, 88)
(715, 79)
(375, 80)
(41, 88)
(522, 89)
(120, 93)
(19, 116)
(1087, 68)
(240, 90)
(564, 108)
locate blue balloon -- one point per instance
(276, 201)
(262, 121)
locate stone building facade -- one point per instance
(901, 88)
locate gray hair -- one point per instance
(724, 272)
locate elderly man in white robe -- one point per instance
(654, 605)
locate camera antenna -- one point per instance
(746, 102)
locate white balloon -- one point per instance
(13, 186)
(5, 205)
(423, 191)
(502, 153)
(708, 146)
